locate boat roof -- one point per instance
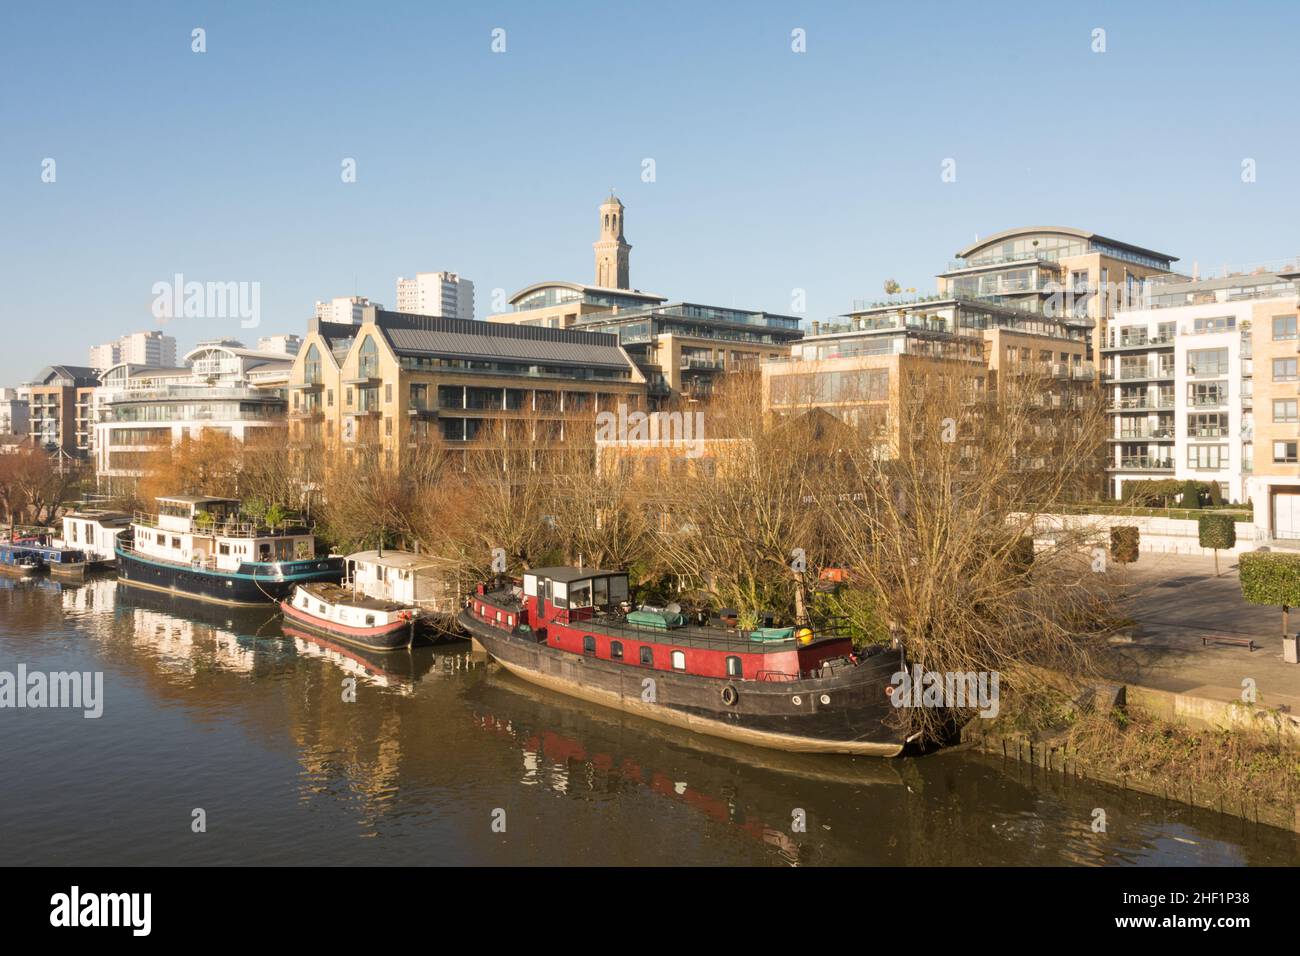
(566, 574)
(196, 499)
(102, 517)
(398, 559)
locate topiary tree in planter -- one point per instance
(1272, 577)
(1216, 531)
(1216, 494)
(1124, 543)
(1191, 494)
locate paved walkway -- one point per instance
(1177, 599)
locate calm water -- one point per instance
(220, 710)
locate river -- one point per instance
(225, 740)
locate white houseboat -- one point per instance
(206, 548)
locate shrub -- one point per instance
(1191, 494)
(1216, 494)
(1124, 543)
(1216, 531)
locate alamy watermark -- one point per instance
(951, 689)
(208, 300)
(73, 690)
(654, 429)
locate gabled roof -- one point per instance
(81, 375)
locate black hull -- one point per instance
(249, 587)
(848, 713)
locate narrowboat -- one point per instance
(28, 556)
(205, 548)
(18, 560)
(795, 689)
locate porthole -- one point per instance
(826, 698)
(796, 700)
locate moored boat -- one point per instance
(350, 616)
(795, 689)
(205, 548)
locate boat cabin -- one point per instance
(574, 594)
(211, 533)
(412, 580)
(94, 532)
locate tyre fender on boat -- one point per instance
(730, 695)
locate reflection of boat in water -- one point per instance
(826, 768)
(253, 621)
(400, 667)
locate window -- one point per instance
(1207, 363)
(1284, 370)
(370, 620)
(1213, 425)
(1284, 410)
(1208, 457)
(368, 359)
(589, 646)
(1285, 452)
(1283, 328)
(647, 655)
(679, 660)
(734, 667)
(616, 650)
(311, 367)
(1203, 394)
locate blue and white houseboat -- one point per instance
(206, 548)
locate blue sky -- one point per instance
(774, 170)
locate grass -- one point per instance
(1238, 513)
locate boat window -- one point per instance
(616, 650)
(600, 591)
(322, 608)
(561, 592)
(223, 548)
(734, 667)
(498, 617)
(589, 646)
(647, 655)
(530, 585)
(176, 542)
(618, 589)
(370, 620)
(304, 602)
(679, 660)
(580, 594)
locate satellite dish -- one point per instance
(673, 608)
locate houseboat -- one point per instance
(386, 597)
(24, 557)
(793, 689)
(95, 533)
(206, 548)
(18, 561)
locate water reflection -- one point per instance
(228, 710)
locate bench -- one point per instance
(1239, 641)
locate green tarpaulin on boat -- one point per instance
(655, 619)
(766, 634)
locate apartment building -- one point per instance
(286, 344)
(221, 387)
(61, 409)
(443, 294)
(150, 348)
(682, 348)
(13, 412)
(344, 310)
(1273, 481)
(1201, 376)
(1072, 275)
(397, 380)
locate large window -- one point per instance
(1284, 369)
(1284, 410)
(311, 366)
(1213, 425)
(368, 360)
(1283, 328)
(1285, 452)
(1207, 394)
(1207, 457)
(1207, 363)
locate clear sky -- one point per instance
(774, 170)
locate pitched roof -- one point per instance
(491, 341)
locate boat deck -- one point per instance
(343, 597)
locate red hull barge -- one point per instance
(570, 629)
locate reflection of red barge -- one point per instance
(568, 629)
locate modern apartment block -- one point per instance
(13, 413)
(1068, 274)
(436, 293)
(222, 387)
(61, 409)
(680, 347)
(397, 380)
(344, 310)
(150, 348)
(287, 344)
(1201, 375)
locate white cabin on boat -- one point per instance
(94, 532)
(413, 580)
(211, 533)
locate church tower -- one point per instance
(612, 249)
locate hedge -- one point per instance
(1270, 577)
(1217, 531)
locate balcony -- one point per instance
(1142, 463)
(1135, 345)
(700, 365)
